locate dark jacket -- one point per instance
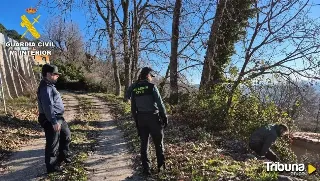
(49, 101)
(264, 137)
(145, 97)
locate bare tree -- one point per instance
(135, 39)
(67, 39)
(145, 35)
(299, 99)
(174, 53)
(139, 23)
(195, 21)
(110, 17)
(278, 38)
(125, 40)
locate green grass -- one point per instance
(190, 154)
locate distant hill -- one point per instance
(315, 86)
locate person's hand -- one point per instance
(164, 121)
(56, 127)
(135, 119)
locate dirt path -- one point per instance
(28, 162)
(111, 160)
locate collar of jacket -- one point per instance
(277, 129)
(143, 80)
(47, 81)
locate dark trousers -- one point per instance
(57, 143)
(149, 124)
(270, 155)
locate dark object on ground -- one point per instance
(54, 169)
(146, 172)
(262, 139)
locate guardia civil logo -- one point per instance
(26, 23)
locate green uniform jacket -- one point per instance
(145, 97)
(264, 137)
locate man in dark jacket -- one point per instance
(262, 139)
(51, 109)
(149, 114)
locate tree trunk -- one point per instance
(163, 82)
(110, 30)
(174, 53)
(136, 40)
(131, 51)
(127, 61)
(209, 72)
(229, 25)
(113, 51)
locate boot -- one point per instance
(163, 166)
(54, 169)
(146, 172)
(66, 159)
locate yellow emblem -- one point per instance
(26, 23)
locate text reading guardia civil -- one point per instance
(29, 44)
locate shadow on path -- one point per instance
(28, 162)
(111, 159)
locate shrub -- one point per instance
(204, 109)
(248, 113)
(70, 72)
(283, 150)
(74, 78)
(245, 115)
(94, 83)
